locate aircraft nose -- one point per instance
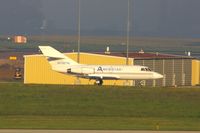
(157, 76)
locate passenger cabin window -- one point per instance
(142, 69)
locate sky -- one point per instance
(168, 18)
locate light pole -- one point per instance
(79, 39)
(128, 34)
(79, 31)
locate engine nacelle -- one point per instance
(80, 70)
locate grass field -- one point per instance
(93, 107)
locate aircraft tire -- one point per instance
(99, 82)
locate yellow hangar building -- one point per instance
(177, 70)
(37, 70)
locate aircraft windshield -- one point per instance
(145, 69)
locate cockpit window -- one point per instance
(145, 69)
(149, 69)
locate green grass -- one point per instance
(93, 107)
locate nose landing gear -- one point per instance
(99, 82)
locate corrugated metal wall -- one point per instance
(188, 72)
(175, 71)
(159, 65)
(38, 71)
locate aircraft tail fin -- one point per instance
(53, 54)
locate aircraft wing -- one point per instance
(102, 76)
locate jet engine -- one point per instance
(81, 70)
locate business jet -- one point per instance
(63, 64)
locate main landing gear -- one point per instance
(99, 82)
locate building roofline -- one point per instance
(94, 54)
(135, 56)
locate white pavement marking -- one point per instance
(89, 131)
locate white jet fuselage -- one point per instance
(109, 72)
(63, 64)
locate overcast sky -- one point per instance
(176, 18)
